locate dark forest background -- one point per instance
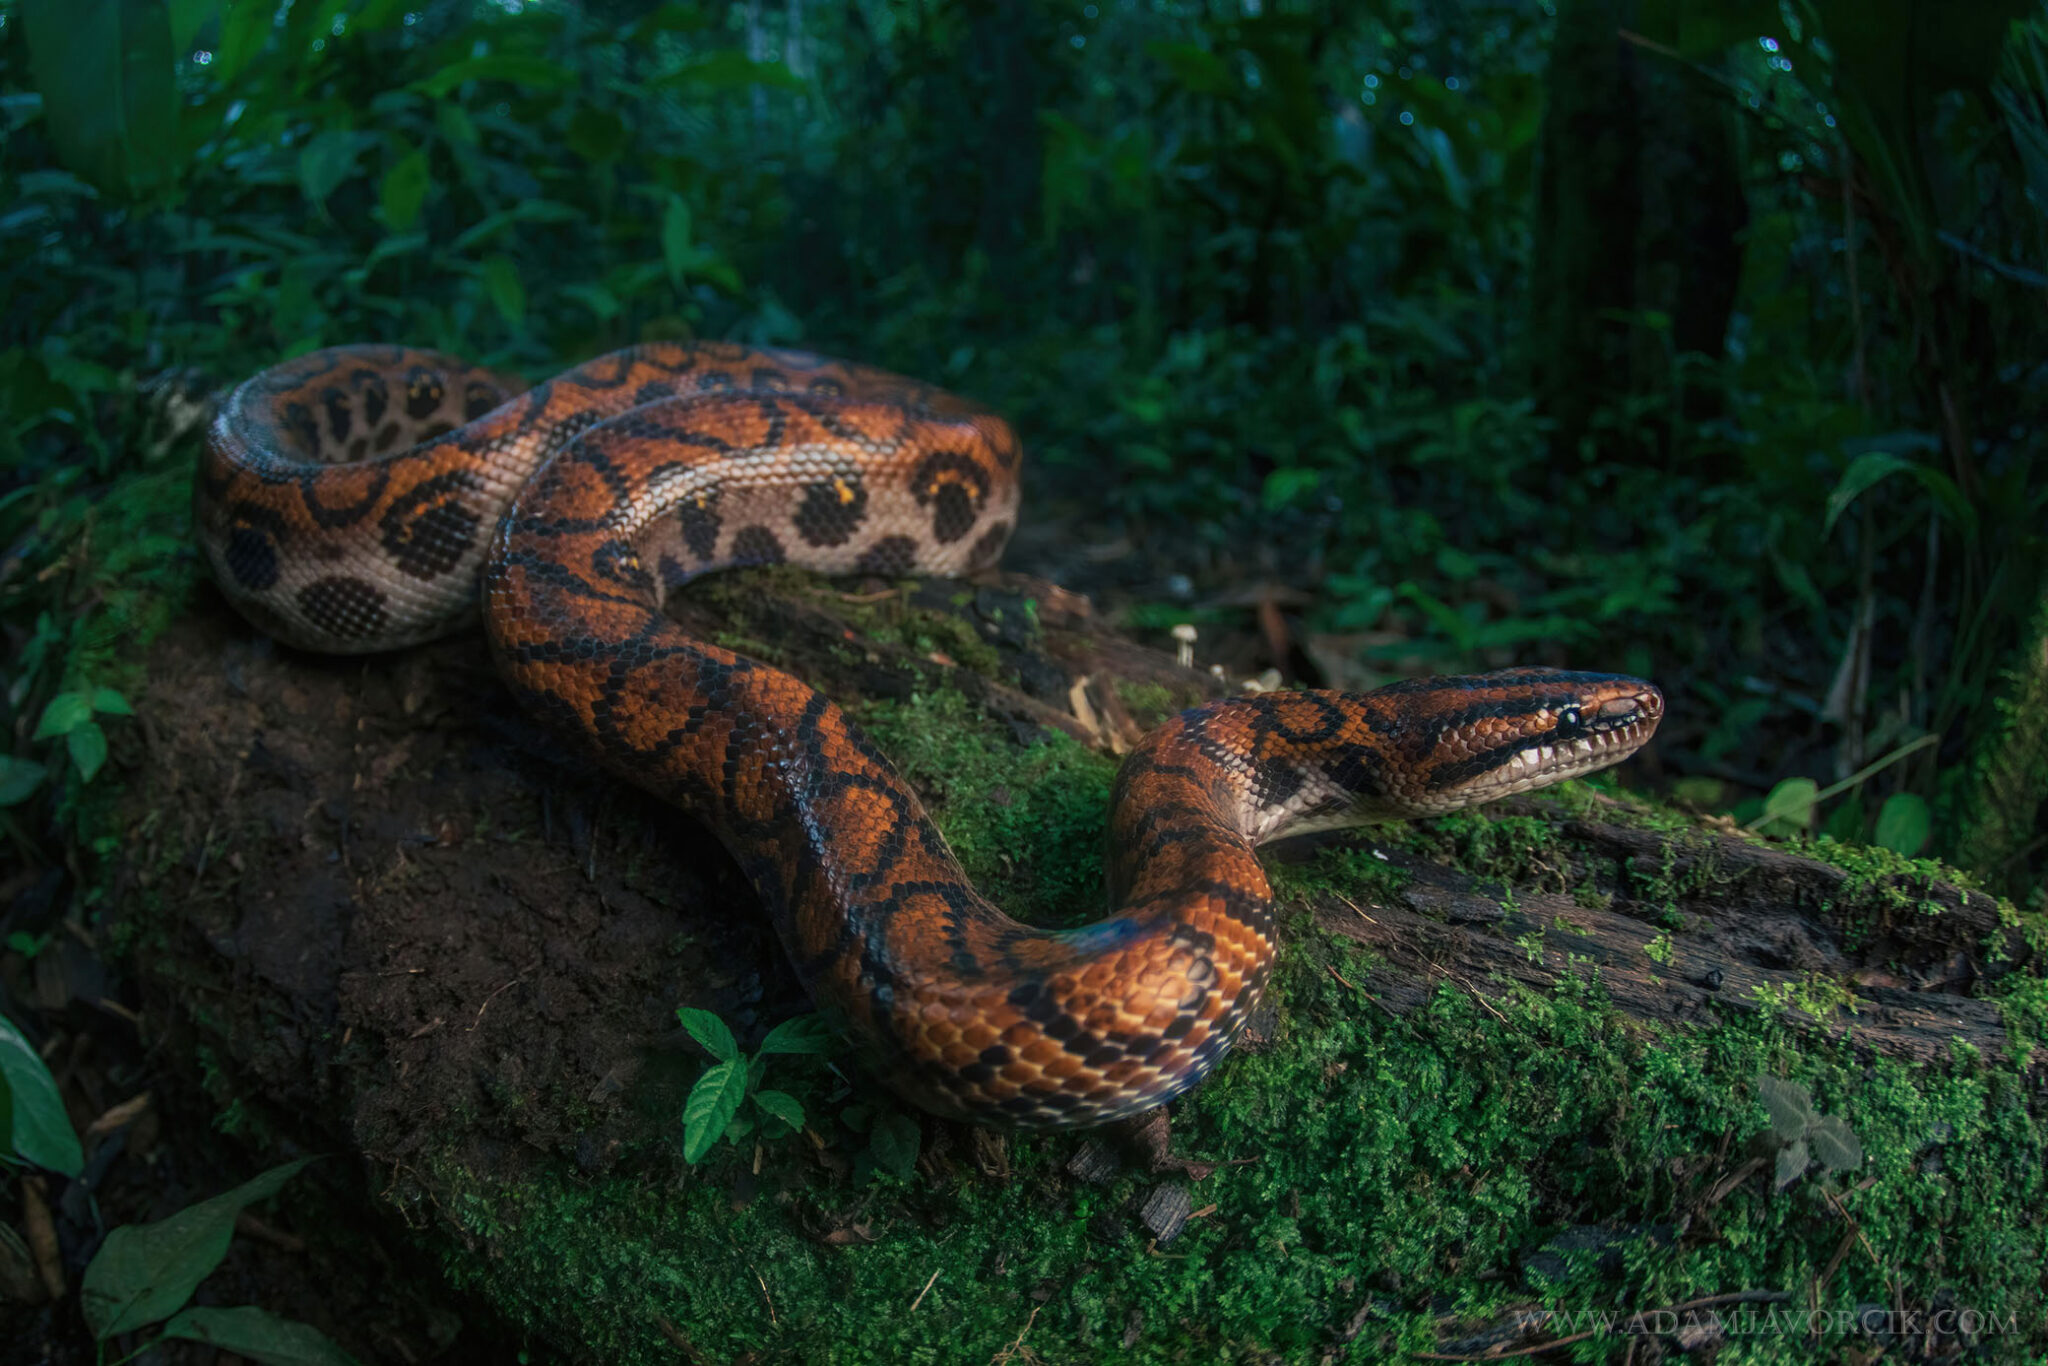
(1704, 341)
(1700, 341)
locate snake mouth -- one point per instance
(1580, 738)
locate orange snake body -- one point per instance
(354, 498)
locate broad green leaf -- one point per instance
(596, 298)
(455, 124)
(252, 1333)
(88, 746)
(40, 1131)
(1286, 484)
(730, 69)
(782, 1106)
(405, 190)
(1792, 801)
(63, 714)
(894, 1143)
(144, 1273)
(710, 1031)
(1904, 823)
(675, 239)
(1792, 1161)
(187, 18)
(536, 72)
(104, 68)
(713, 1103)
(1872, 467)
(19, 779)
(1835, 1144)
(1198, 70)
(596, 135)
(670, 18)
(244, 31)
(508, 295)
(1790, 1104)
(329, 158)
(110, 703)
(1700, 31)
(801, 1034)
(525, 211)
(378, 14)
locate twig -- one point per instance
(927, 1287)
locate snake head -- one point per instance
(1486, 736)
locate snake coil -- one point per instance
(353, 499)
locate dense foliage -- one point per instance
(1476, 333)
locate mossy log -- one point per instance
(1508, 1072)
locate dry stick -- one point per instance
(927, 1287)
(42, 1236)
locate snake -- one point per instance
(365, 498)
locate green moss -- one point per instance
(1027, 822)
(1148, 703)
(1410, 1166)
(1434, 1154)
(896, 618)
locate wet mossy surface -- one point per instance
(1383, 1179)
(1390, 1179)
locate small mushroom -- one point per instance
(1185, 634)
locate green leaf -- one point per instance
(894, 1143)
(596, 298)
(111, 703)
(252, 1333)
(1790, 1104)
(328, 159)
(508, 295)
(1904, 823)
(730, 69)
(104, 68)
(1197, 70)
(88, 746)
(675, 239)
(1288, 483)
(1792, 801)
(1835, 1144)
(244, 32)
(187, 18)
(782, 1106)
(801, 1034)
(145, 1272)
(404, 190)
(40, 1132)
(1873, 467)
(19, 779)
(1865, 470)
(713, 1103)
(63, 714)
(535, 72)
(710, 1031)
(596, 135)
(1792, 1162)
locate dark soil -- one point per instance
(383, 905)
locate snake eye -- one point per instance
(1568, 718)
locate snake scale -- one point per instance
(354, 499)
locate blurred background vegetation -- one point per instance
(1701, 341)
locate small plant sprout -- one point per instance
(1802, 1135)
(713, 1109)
